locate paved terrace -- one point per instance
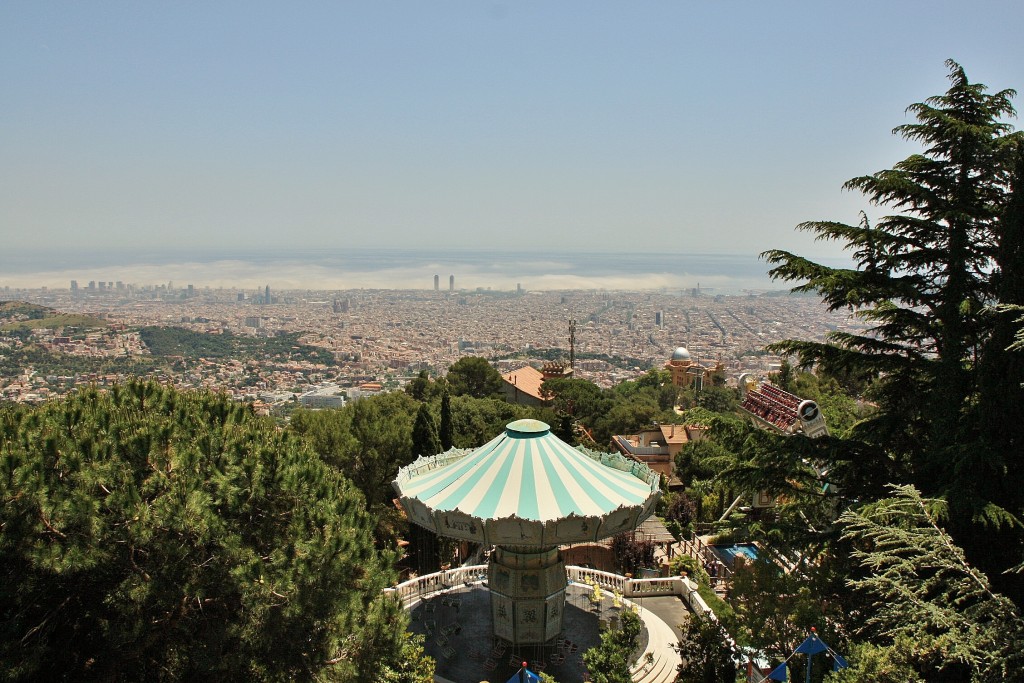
(451, 609)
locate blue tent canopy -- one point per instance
(811, 646)
(524, 675)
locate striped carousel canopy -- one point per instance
(527, 487)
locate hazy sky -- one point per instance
(701, 126)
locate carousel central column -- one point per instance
(527, 587)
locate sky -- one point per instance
(699, 127)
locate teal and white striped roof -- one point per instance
(528, 476)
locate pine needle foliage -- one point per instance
(150, 534)
(425, 440)
(923, 275)
(923, 590)
(928, 279)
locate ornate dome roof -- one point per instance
(681, 354)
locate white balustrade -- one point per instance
(414, 589)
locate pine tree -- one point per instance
(925, 591)
(153, 534)
(425, 440)
(447, 428)
(924, 279)
(474, 376)
(1000, 412)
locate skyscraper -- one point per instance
(451, 283)
(437, 283)
(266, 295)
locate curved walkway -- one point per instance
(452, 610)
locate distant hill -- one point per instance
(11, 309)
(20, 315)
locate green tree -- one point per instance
(706, 653)
(475, 421)
(609, 661)
(425, 440)
(1000, 412)
(150, 534)
(584, 400)
(920, 272)
(420, 387)
(784, 377)
(656, 385)
(368, 440)
(777, 624)
(924, 279)
(385, 651)
(922, 588)
(474, 376)
(880, 664)
(718, 399)
(446, 432)
(564, 427)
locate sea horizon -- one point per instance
(387, 268)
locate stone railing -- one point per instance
(606, 580)
(409, 592)
(670, 585)
(693, 600)
(412, 590)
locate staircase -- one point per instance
(663, 663)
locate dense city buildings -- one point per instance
(385, 336)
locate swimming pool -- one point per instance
(729, 553)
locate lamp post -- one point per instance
(629, 584)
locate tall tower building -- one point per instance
(437, 283)
(451, 283)
(74, 286)
(266, 295)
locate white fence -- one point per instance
(411, 591)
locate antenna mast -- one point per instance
(572, 346)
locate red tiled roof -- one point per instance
(527, 380)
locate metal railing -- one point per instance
(719, 573)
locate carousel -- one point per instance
(526, 492)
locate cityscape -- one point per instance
(379, 339)
(512, 342)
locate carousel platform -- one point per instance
(457, 630)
